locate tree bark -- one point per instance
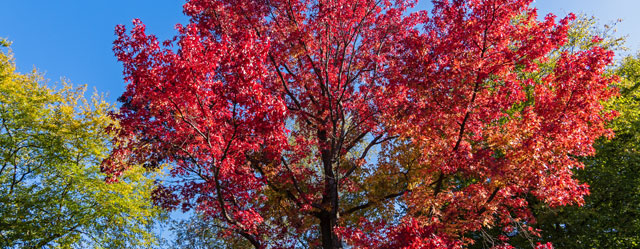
(329, 213)
(329, 239)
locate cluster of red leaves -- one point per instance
(202, 108)
(267, 110)
(480, 108)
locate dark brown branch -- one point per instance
(296, 185)
(366, 151)
(250, 238)
(370, 202)
(438, 184)
(55, 236)
(493, 196)
(256, 165)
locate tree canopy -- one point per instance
(607, 217)
(52, 193)
(303, 124)
(610, 217)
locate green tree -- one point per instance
(52, 193)
(200, 232)
(610, 217)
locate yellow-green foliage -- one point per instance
(52, 193)
(627, 103)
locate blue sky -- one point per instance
(72, 38)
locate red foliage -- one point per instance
(278, 103)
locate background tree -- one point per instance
(606, 220)
(52, 194)
(269, 113)
(610, 216)
(201, 232)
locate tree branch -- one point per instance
(370, 202)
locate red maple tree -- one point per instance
(314, 123)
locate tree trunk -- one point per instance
(329, 214)
(329, 238)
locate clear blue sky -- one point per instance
(72, 38)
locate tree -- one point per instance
(53, 194)
(584, 226)
(332, 123)
(610, 216)
(201, 232)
